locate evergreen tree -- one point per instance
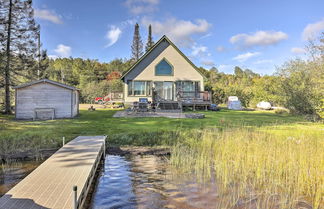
(137, 47)
(18, 42)
(150, 41)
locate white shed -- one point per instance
(46, 99)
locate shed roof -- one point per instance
(45, 81)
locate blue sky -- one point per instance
(254, 34)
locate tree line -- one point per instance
(297, 85)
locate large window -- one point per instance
(163, 68)
(139, 88)
(188, 88)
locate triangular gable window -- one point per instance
(164, 68)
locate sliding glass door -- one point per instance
(164, 89)
(168, 90)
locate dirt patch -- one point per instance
(134, 150)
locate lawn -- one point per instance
(277, 160)
(23, 135)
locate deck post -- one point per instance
(63, 139)
(75, 201)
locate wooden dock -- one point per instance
(51, 184)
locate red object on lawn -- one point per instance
(102, 100)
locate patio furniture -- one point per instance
(143, 105)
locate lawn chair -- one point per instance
(135, 106)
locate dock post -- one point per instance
(104, 151)
(63, 141)
(75, 202)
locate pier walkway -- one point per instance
(51, 184)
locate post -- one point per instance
(75, 201)
(104, 151)
(63, 141)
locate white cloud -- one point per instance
(138, 7)
(311, 31)
(297, 50)
(179, 31)
(259, 38)
(198, 50)
(113, 35)
(45, 14)
(220, 49)
(208, 62)
(63, 50)
(53, 57)
(225, 68)
(246, 56)
(262, 62)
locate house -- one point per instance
(165, 70)
(46, 99)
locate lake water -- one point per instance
(11, 174)
(132, 181)
(148, 182)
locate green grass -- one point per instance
(258, 155)
(16, 136)
(256, 167)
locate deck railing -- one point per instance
(203, 96)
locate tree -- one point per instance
(300, 87)
(18, 42)
(137, 46)
(150, 41)
(238, 71)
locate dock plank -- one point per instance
(50, 185)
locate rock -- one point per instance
(264, 105)
(195, 115)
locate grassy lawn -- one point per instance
(278, 159)
(20, 135)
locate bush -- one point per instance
(281, 111)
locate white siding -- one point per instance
(43, 95)
(145, 70)
(75, 103)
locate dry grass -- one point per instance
(255, 168)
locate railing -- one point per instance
(197, 96)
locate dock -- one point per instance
(51, 184)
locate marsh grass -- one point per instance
(256, 167)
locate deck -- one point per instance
(51, 184)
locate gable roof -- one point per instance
(164, 38)
(45, 81)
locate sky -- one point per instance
(260, 35)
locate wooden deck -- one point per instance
(51, 184)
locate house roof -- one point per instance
(45, 81)
(164, 37)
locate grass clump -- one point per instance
(254, 167)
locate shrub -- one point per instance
(281, 111)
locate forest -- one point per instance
(297, 84)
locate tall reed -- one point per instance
(254, 167)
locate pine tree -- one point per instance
(18, 42)
(150, 41)
(137, 47)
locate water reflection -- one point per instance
(148, 182)
(12, 173)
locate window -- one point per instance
(188, 88)
(139, 88)
(163, 68)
